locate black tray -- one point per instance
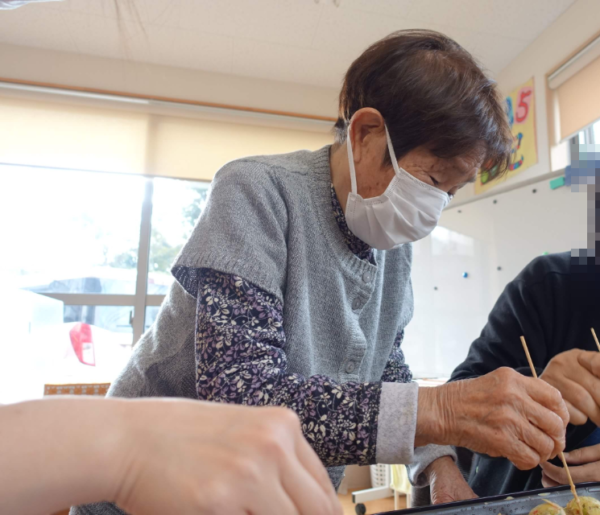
(513, 504)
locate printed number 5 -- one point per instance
(523, 106)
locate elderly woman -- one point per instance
(294, 289)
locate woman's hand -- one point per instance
(500, 414)
(189, 457)
(587, 467)
(571, 373)
(446, 483)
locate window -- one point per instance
(76, 232)
(176, 206)
(589, 138)
(84, 268)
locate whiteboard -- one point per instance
(492, 240)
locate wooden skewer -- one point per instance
(596, 338)
(553, 504)
(562, 456)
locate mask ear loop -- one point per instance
(391, 148)
(351, 161)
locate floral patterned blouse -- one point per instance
(240, 359)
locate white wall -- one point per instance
(477, 239)
(39, 65)
(479, 236)
(558, 42)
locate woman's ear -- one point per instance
(367, 125)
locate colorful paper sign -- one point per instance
(520, 108)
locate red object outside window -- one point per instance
(83, 345)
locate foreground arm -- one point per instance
(158, 456)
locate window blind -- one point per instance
(576, 92)
(55, 134)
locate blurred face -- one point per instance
(373, 176)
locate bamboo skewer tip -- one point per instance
(595, 338)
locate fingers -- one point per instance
(576, 417)
(550, 398)
(307, 495)
(311, 462)
(540, 443)
(581, 400)
(547, 438)
(591, 362)
(556, 474)
(583, 455)
(303, 477)
(584, 393)
(522, 456)
(581, 474)
(547, 482)
(575, 394)
(277, 501)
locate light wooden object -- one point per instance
(596, 338)
(562, 456)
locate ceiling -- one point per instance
(301, 41)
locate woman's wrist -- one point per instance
(433, 420)
(115, 447)
(440, 467)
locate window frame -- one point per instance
(139, 300)
(588, 132)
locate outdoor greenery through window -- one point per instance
(84, 267)
(176, 206)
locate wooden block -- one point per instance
(76, 389)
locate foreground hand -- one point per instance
(191, 457)
(500, 414)
(446, 483)
(587, 468)
(571, 373)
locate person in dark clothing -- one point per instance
(554, 302)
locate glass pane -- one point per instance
(596, 129)
(176, 206)
(582, 138)
(71, 232)
(48, 343)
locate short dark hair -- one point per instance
(431, 92)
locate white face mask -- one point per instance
(407, 211)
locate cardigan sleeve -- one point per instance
(241, 359)
(243, 230)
